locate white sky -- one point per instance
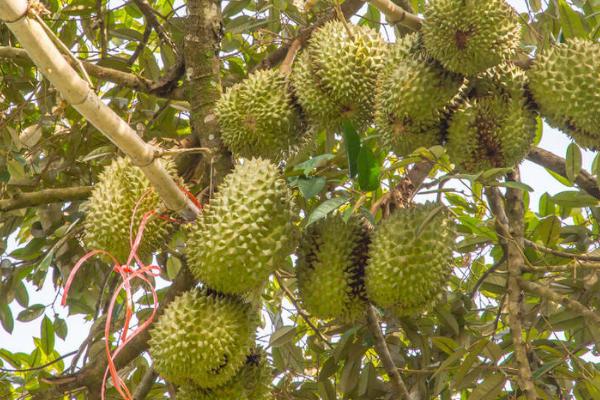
(22, 336)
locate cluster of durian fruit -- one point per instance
(452, 84)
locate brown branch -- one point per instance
(145, 385)
(397, 15)
(564, 254)
(509, 224)
(152, 20)
(557, 165)
(573, 305)
(120, 78)
(349, 8)
(46, 196)
(385, 356)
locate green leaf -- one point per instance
(60, 328)
(31, 313)
(323, 209)
(21, 294)
(6, 318)
(548, 231)
(353, 147)
(368, 170)
(282, 336)
(313, 163)
(574, 199)
(47, 336)
(310, 187)
(571, 21)
(547, 206)
(573, 162)
(173, 267)
(490, 388)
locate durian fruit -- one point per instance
(252, 382)
(247, 230)
(413, 93)
(410, 258)
(335, 77)
(258, 117)
(470, 36)
(495, 127)
(331, 260)
(203, 338)
(564, 81)
(110, 209)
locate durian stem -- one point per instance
(288, 61)
(51, 62)
(557, 164)
(142, 390)
(573, 305)
(400, 389)
(510, 228)
(397, 15)
(46, 196)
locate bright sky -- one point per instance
(21, 338)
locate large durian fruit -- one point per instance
(470, 36)
(335, 76)
(252, 382)
(203, 338)
(258, 117)
(247, 230)
(413, 94)
(110, 208)
(495, 127)
(564, 81)
(330, 268)
(410, 259)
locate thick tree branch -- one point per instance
(397, 15)
(349, 8)
(385, 356)
(120, 78)
(566, 301)
(44, 53)
(557, 165)
(46, 196)
(509, 224)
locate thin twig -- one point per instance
(564, 254)
(41, 366)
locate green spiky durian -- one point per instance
(564, 81)
(495, 127)
(110, 209)
(258, 118)
(413, 92)
(470, 36)
(330, 268)
(252, 382)
(247, 230)
(410, 258)
(335, 77)
(203, 338)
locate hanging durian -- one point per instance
(202, 338)
(252, 382)
(470, 36)
(410, 258)
(246, 232)
(335, 77)
(110, 209)
(258, 118)
(564, 81)
(495, 127)
(413, 93)
(331, 260)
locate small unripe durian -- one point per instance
(470, 36)
(331, 261)
(111, 206)
(258, 118)
(246, 232)
(252, 382)
(335, 77)
(202, 338)
(413, 93)
(564, 81)
(410, 259)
